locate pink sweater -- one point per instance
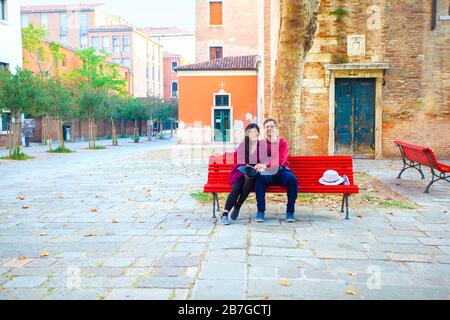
(279, 151)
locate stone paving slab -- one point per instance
(124, 227)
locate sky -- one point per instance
(142, 13)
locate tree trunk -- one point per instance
(297, 30)
(89, 133)
(49, 132)
(94, 124)
(114, 134)
(10, 136)
(18, 130)
(61, 132)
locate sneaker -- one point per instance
(290, 217)
(234, 214)
(224, 220)
(259, 217)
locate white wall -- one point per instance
(183, 45)
(10, 36)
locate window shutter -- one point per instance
(215, 13)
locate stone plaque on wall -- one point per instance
(356, 45)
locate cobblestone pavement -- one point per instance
(120, 223)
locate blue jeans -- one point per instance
(284, 177)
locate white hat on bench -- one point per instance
(331, 178)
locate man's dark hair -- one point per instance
(269, 120)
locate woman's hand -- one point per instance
(260, 167)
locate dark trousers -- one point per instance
(240, 191)
(284, 177)
(27, 141)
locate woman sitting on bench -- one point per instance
(242, 183)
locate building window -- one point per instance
(24, 21)
(222, 100)
(83, 30)
(116, 44)
(126, 44)
(105, 44)
(2, 9)
(215, 53)
(44, 21)
(127, 62)
(63, 27)
(174, 89)
(6, 118)
(215, 13)
(96, 44)
(174, 65)
(64, 62)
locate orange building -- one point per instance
(70, 62)
(217, 99)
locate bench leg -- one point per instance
(409, 164)
(441, 176)
(345, 203)
(346, 207)
(216, 206)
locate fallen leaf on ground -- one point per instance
(90, 235)
(94, 210)
(44, 254)
(359, 216)
(65, 225)
(352, 273)
(114, 221)
(284, 283)
(351, 292)
(44, 234)
(22, 258)
(20, 197)
(26, 207)
(141, 221)
(61, 197)
(265, 298)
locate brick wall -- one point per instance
(416, 92)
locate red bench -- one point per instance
(307, 169)
(415, 156)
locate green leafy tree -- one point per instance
(136, 110)
(18, 92)
(95, 81)
(47, 56)
(114, 110)
(60, 105)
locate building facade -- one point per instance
(68, 24)
(175, 41)
(378, 71)
(135, 50)
(171, 62)
(226, 28)
(86, 25)
(10, 54)
(218, 99)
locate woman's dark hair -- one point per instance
(247, 140)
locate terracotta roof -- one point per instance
(60, 7)
(226, 63)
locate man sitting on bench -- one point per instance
(273, 169)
